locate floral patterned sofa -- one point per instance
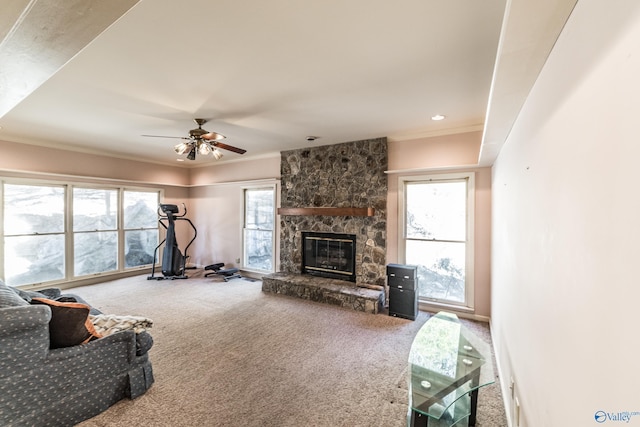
(55, 370)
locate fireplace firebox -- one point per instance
(331, 255)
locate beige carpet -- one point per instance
(226, 354)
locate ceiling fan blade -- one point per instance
(230, 148)
(162, 136)
(213, 136)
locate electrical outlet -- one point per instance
(237, 260)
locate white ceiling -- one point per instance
(95, 78)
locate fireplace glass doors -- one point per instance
(329, 255)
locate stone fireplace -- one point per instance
(341, 189)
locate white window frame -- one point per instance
(468, 304)
(122, 230)
(64, 233)
(69, 232)
(274, 188)
(71, 227)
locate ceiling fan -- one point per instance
(201, 141)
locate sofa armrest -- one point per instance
(144, 342)
(24, 337)
(125, 341)
(23, 318)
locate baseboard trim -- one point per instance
(431, 308)
(504, 387)
(85, 281)
(252, 274)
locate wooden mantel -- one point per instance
(327, 211)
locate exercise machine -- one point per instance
(173, 260)
(226, 273)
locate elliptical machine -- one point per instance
(173, 261)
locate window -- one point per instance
(140, 227)
(95, 231)
(34, 233)
(258, 230)
(436, 235)
(99, 229)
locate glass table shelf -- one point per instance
(447, 366)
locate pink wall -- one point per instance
(217, 212)
(267, 167)
(456, 150)
(216, 202)
(32, 158)
(30, 161)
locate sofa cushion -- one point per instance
(50, 293)
(69, 323)
(9, 297)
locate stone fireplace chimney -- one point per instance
(347, 175)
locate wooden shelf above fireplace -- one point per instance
(327, 211)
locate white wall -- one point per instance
(566, 227)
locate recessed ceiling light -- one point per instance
(179, 160)
(437, 117)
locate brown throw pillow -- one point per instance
(69, 324)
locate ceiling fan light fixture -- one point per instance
(217, 154)
(181, 148)
(204, 148)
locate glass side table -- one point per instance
(447, 366)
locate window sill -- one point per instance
(434, 307)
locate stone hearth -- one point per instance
(324, 290)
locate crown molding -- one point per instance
(433, 133)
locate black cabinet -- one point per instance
(403, 290)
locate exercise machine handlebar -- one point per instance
(171, 210)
